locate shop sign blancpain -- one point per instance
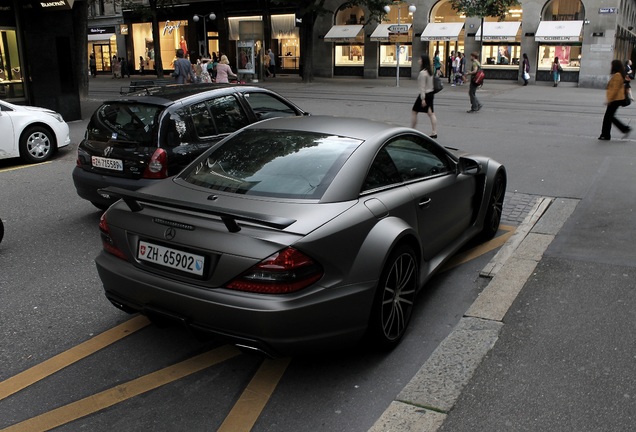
(56, 4)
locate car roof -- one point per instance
(168, 94)
(358, 128)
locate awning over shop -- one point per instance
(494, 31)
(559, 31)
(345, 33)
(381, 32)
(442, 31)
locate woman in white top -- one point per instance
(424, 101)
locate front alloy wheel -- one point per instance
(36, 145)
(495, 208)
(394, 299)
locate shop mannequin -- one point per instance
(184, 46)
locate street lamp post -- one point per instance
(212, 17)
(387, 9)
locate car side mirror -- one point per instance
(470, 166)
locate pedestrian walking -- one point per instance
(272, 62)
(615, 96)
(475, 105)
(450, 70)
(526, 69)
(437, 64)
(224, 71)
(556, 71)
(457, 75)
(92, 65)
(182, 69)
(424, 101)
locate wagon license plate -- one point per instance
(107, 163)
(172, 258)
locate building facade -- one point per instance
(584, 34)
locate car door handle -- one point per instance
(424, 202)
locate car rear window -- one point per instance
(124, 122)
(273, 163)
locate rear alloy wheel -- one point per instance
(37, 144)
(495, 208)
(394, 300)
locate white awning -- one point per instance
(442, 31)
(559, 31)
(381, 32)
(344, 33)
(100, 37)
(505, 31)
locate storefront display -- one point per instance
(172, 33)
(11, 80)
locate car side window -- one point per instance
(227, 114)
(416, 158)
(202, 120)
(267, 106)
(383, 172)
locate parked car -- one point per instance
(299, 233)
(153, 134)
(31, 133)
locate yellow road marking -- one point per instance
(254, 398)
(477, 251)
(62, 360)
(97, 402)
(23, 166)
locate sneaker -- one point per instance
(479, 107)
(471, 111)
(604, 138)
(452, 85)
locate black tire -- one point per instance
(37, 144)
(495, 208)
(393, 304)
(1, 230)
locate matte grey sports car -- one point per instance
(299, 233)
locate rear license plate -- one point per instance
(172, 258)
(107, 163)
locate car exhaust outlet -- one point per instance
(253, 350)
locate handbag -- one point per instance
(437, 84)
(526, 76)
(478, 78)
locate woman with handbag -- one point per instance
(475, 104)
(615, 98)
(556, 71)
(424, 101)
(526, 69)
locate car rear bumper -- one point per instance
(275, 325)
(87, 184)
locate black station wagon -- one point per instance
(153, 134)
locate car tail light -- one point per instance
(284, 272)
(158, 166)
(107, 240)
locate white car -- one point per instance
(31, 133)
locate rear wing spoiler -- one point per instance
(134, 200)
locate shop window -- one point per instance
(388, 55)
(349, 55)
(172, 35)
(11, 76)
(569, 56)
(564, 10)
(501, 55)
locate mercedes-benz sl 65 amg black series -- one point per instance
(299, 233)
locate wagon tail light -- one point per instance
(107, 240)
(158, 166)
(284, 272)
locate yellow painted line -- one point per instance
(107, 398)
(24, 166)
(483, 248)
(254, 398)
(62, 360)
